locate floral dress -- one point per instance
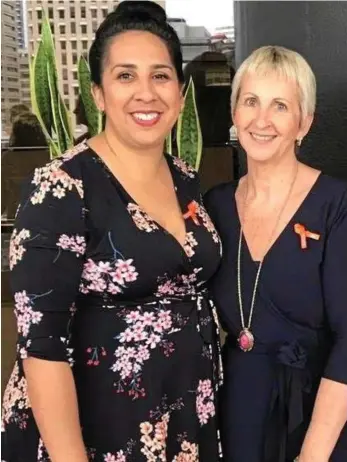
(99, 284)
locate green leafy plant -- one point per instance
(189, 136)
(93, 115)
(47, 103)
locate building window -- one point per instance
(94, 13)
(95, 26)
(63, 45)
(83, 12)
(74, 58)
(84, 44)
(62, 29)
(74, 45)
(40, 28)
(50, 12)
(76, 91)
(39, 14)
(66, 89)
(104, 12)
(63, 59)
(83, 29)
(72, 12)
(65, 74)
(61, 14)
(75, 75)
(73, 28)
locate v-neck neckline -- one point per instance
(181, 203)
(297, 212)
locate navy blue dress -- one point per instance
(299, 324)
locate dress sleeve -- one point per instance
(46, 261)
(335, 294)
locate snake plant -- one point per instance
(189, 136)
(47, 103)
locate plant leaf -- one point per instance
(93, 115)
(168, 143)
(189, 136)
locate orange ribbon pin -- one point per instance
(192, 212)
(304, 234)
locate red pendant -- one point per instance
(246, 340)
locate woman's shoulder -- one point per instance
(332, 197)
(221, 191)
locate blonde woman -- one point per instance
(282, 286)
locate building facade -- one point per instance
(10, 82)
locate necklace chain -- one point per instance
(256, 282)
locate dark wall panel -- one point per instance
(317, 30)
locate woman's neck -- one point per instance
(138, 164)
(269, 181)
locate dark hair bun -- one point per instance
(140, 10)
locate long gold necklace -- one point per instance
(246, 337)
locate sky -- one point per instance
(208, 13)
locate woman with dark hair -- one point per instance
(117, 347)
(27, 132)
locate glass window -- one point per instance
(72, 12)
(74, 58)
(73, 28)
(83, 28)
(63, 59)
(63, 45)
(39, 14)
(83, 12)
(61, 14)
(66, 89)
(62, 29)
(65, 76)
(94, 13)
(50, 13)
(85, 44)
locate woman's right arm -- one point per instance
(52, 394)
(46, 260)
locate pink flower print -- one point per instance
(145, 331)
(190, 243)
(148, 318)
(146, 428)
(17, 249)
(117, 277)
(141, 219)
(98, 285)
(153, 340)
(143, 354)
(58, 192)
(107, 276)
(126, 336)
(26, 316)
(132, 317)
(207, 222)
(164, 317)
(184, 167)
(76, 244)
(113, 289)
(119, 457)
(15, 401)
(205, 407)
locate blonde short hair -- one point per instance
(286, 63)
